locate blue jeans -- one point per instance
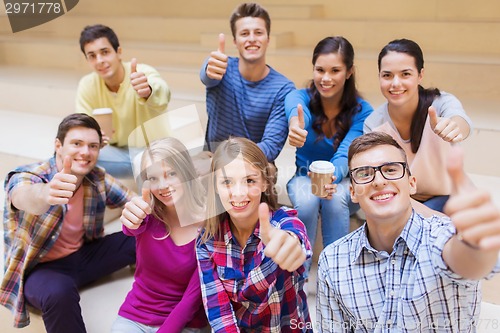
(124, 325)
(52, 287)
(437, 202)
(335, 213)
(117, 160)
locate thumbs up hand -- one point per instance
(136, 210)
(472, 211)
(446, 128)
(217, 63)
(139, 81)
(281, 246)
(296, 133)
(62, 186)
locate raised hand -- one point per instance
(136, 210)
(217, 63)
(331, 189)
(446, 128)
(296, 132)
(282, 247)
(63, 185)
(472, 211)
(139, 81)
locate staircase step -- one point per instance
(222, 10)
(372, 33)
(28, 135)
(298, 11)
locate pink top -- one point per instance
(71, 237)
(428, 165)
(166, 290)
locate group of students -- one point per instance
(215, 251)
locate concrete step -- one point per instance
(443, 10)
(371, 32)
(334, 9)
(298, 10)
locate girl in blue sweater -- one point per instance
(323, 119)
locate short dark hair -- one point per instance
(77, 120)
(370, 140)
(92, 32)
(249, 9)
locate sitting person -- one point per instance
(53, 229)
(135, 92)
(423, 121)
(400, 271)
(245, 96)
(323, 120)
(250, 253)
(166, 295)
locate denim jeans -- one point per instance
(335, 213)
(52, 287)
(124, 325)
(117, 160)
(437, 202)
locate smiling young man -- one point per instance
(135, 92)
(400, 271)
(53, 229)
(245, 97)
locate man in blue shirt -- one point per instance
(245, 97)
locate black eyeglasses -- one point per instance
(390, 171)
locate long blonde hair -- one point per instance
(174, 153)
(226, 152)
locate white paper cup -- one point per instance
(104, 116)
(321, 174)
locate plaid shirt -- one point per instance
(28, 237)
(245, 291)
(411, 289)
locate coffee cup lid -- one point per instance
(101, 111)
(322, 167)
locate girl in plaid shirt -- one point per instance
(251, 253)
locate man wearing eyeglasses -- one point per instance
(401, 272)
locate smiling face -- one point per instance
(104, 60)
(82, 145)
(240, 185)
(382, 199)
(330, 74)
(399, 79)
(251, 39)
(166, 184)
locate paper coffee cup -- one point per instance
(321, 174)
(104, 117)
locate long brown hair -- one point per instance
(226, 152)
(349, 105)
(425, 96)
